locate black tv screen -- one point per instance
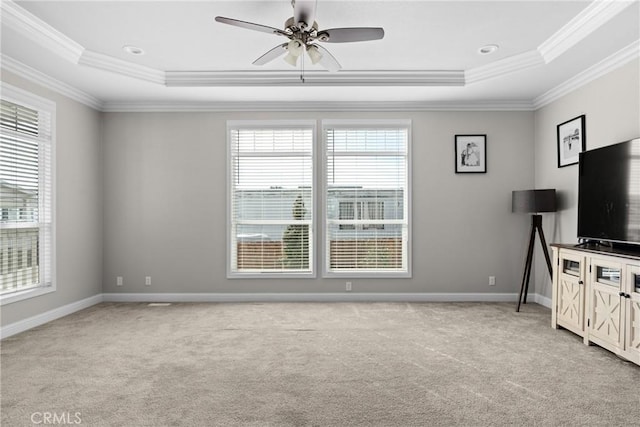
(609, 193)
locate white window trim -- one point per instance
(234, 124)
(369, 123)
(19, 96)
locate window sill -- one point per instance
(26, 294)
(367, 275)
(271, 275)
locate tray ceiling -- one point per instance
(428, 58)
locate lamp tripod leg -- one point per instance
(528, 272)
(545, 250)
(527, 267)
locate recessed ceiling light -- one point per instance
(133, 50)
(486, 50)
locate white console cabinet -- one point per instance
(596, 294)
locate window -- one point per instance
(271, 198)
(26, 194)
(366, 198)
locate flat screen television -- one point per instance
(609, 194)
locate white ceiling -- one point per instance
(428, 57)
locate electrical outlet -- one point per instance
(119, 281)
(147, 281)
(492, 280)
(348, 286)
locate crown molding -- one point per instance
(119, 66)
(31, 26)
(617, 60)
(504, 66)
(227, 107)
(315, 78)
(590, 19)
(11, 65)
(587, 21)
(59, 44)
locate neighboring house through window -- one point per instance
(350, 210)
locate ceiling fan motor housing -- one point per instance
(301, 30)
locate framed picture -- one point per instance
(572, 140)
(471, 153)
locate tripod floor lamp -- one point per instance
(533, 202)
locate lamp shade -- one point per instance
(531, 201)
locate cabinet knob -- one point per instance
(622, 294)
(627, 296)
(580, 282)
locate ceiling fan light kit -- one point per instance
(294, 47)
(314, 54)
(303, 36)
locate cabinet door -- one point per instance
(606, 304)
(632, 315)
(570, 289)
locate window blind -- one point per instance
(26, 213)
(366, 220)
(271, 199)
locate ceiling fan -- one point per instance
(303, 34)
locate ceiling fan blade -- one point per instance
(274, 53)
(250, 25)
(304, 11)
(327, 60)
(347, 35)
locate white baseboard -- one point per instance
(311, 297)
(541, 299)
(46, 317)
(41, 319)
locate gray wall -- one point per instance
(144, 195)
(78, 209)
(612, 108)
(165, 210)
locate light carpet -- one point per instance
(313, 364)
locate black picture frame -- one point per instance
(471, 153)
(571, 140)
